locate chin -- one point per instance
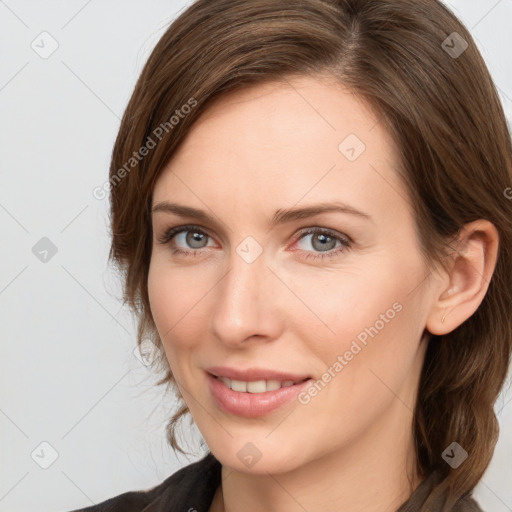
(258, 458)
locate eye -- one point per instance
(324, 241)
(191, 237)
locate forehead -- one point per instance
(284, 112)
(281, 141)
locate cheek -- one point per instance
(171, 297)
(369, 361)
(368, 316)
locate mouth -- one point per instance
(251, 399)
(258, 386)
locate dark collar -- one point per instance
(192, 488)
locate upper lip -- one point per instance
(252, 374)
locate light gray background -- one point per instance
(69, 376)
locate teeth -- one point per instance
(272, 385)
(257, 386)
(238, 385)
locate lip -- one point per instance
(252, 405)
(251, 374)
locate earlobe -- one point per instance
(469, 275)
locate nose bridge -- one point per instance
(244, 305)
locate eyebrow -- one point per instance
(280, 216)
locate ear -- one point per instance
(464, 286)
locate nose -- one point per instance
(247, 303)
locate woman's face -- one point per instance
(345, 305)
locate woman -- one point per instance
(309, 206)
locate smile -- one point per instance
(251, 399)
(257, 386)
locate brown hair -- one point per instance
(446, 118)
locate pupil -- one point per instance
(196, 237)
(324, 239)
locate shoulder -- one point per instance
(428, 498)
(467, 504)
(192, 486)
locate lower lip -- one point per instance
(252, 405)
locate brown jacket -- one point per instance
(191, 489)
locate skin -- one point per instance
(275, 146)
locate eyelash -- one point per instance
(345, 241)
